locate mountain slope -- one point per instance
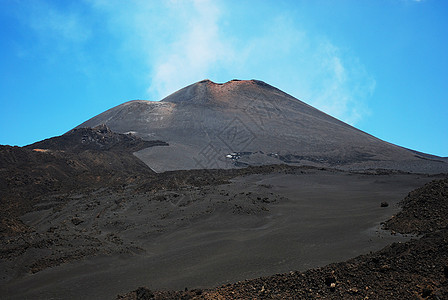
(78, 160)
(249, 122)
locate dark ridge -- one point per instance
(209, 81)
(262, 83)
(98, 138)
(27, 175)
(427, 156)
(424, 210)
(80, 159)
(205, 81)
(258, 82)
(268, 86)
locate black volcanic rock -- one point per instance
(205, 123)
(97, 138)
(424, 210)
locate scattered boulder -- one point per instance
(76, 221)
(426, 292)
(330, 281)
(142, 293)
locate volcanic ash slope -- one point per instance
(248, 122)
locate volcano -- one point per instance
(249, 181)
(248, 122)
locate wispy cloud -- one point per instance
(313, 68)
(55, 33)
(180, 42)
(198, 48)
(309, 67)
(413, 1)
(49, 22)
(339, 84)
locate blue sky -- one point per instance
(380, 65)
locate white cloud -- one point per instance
(339, 84)
(328, 79)
(180, 42)
(198, 48)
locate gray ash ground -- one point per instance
(115, 222)
(417, 269)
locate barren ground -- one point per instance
(198, 237)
